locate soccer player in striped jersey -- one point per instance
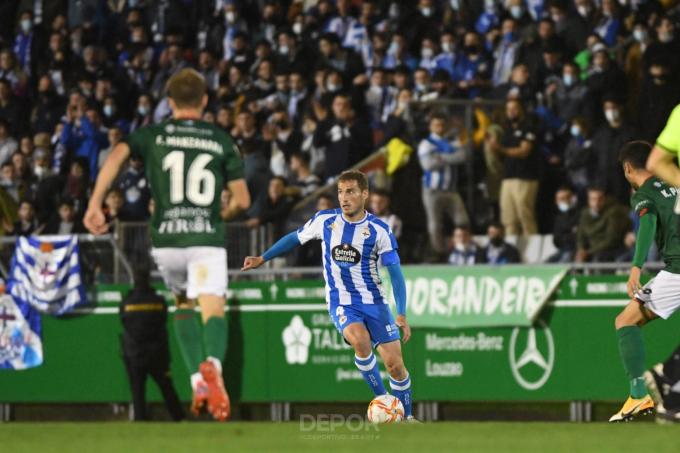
(353, 241)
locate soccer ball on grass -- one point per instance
(385, 409)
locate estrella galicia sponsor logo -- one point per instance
(345, 255)
(532, 355)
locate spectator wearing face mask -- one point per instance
(565, 226)
(604, 77)
(498, 251)
(580, 161)
(666, 47)
(660, 93)
(143, 115)
(608, 139)
(505, 54)
(570, 97)
(464, 250)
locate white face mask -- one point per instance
(568, 79)
(394, 48)
(230, 16)
(612, 115)
(283, 50)
(460, 247)
(516, 11)
(575, 131)
(26, 25)
(447, 47)
(297, 28)
(426, 53)
(563, 206)
(426, 11)
(332, 87)
(108, 110)
(143, 110)
(640, 35)
(583, 10)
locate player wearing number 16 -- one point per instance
(187, 162)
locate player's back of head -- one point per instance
(187, 88)
(635, 153)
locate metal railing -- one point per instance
(134, 239)
(101, 259)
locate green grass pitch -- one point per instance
(274, 437)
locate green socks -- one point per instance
(188, 334)
(632, 351)
(215, 337)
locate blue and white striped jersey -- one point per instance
(350, 255)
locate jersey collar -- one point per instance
(364, 218)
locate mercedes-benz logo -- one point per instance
(538, 351)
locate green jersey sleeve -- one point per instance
(233, 164)
(137, 141)
(670, 136)
(642, 204)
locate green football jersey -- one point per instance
(655, 197)
(187, 164)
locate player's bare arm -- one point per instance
(252, 262)
(662, 163)
(633, 285)
(94, 219)
(239, 200)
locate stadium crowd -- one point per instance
(310, 88)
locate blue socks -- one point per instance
(369, 369)
(402, 390)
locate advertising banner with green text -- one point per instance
(477, 296)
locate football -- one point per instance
(385, 409)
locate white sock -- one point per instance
(216, 362)
(196, 379)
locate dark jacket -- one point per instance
(564, 230)
(605, 233)
(505, 254)
(145, 336)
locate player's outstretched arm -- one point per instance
(239, 201)
(281, 247)
(662, 163)
(94, 219)
(391, 261)
(643, 242)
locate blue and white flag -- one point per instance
(45, 273)
(20, 342)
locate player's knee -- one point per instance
(395, 367)
(623, 320)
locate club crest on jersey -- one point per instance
(366, 233)
(345, 255)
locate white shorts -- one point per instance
(661, 294)
(193, 270)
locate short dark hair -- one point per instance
(326, 196)
(381, 193)
(354, 175)
(302, 157)
(280, 178)
(635, 153)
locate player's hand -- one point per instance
(252, 262)
(633, 284)
(95, 220)
(405, 328)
